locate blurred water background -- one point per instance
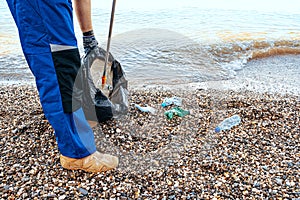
(232, 44)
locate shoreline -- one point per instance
(273, 75)
(160, 158)
(278, 75)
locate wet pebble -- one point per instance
(182, 158)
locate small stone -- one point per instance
(51, 195)
(118, 130)
(255, 190)
(62, 197)
(169, 182)
(218, 183)
(176, 184)
(245, 192)
(290, 164)
(24, 179)
(256, 184)
(83, 191)
(6, 187)
(290, 184)
(16, 165)
(24, 195)
(274, 191)
(278, 181)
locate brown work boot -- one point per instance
(96, 162)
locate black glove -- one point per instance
(89, 42)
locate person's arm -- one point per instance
(83, 13)
(84, 17)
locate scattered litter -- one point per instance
(146, 109)
(228, 123)
(176, 111)
(173, 100)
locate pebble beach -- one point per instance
(222, 58)
(181, 158)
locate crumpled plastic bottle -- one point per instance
(173, 100)
(146, 109)
(176, 111)
(228, 123)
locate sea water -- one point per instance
(231, 43)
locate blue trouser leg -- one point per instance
(40, 24)
(81, 142)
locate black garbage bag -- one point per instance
(103, 103)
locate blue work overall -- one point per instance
(49, 44)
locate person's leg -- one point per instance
(50, 48)
(54, 76)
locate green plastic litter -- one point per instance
(176, 111)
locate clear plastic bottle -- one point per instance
(228, 123)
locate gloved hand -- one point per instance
(89, 43)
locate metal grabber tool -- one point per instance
(108, 43)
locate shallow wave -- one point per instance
(274, 51)
(233, 56)
(156, 54)
(227, 52)
(160, 56)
